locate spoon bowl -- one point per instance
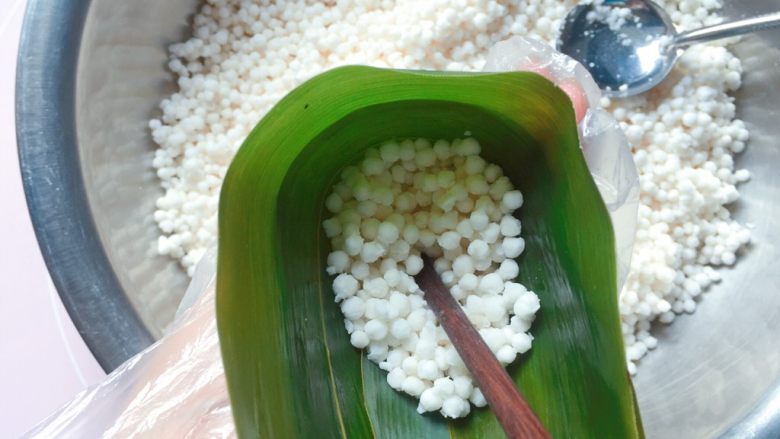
(627, 53)
(630, 46)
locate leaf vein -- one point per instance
(335, 396)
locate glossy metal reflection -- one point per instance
(636, 55)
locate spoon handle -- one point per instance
(725, 30)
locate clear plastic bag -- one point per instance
(176, 388)
(605, 147)
(173, 389)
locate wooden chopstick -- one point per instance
(513, 412)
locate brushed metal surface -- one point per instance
(713, 367)
(122, 76)
(714, 373)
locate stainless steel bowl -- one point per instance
(91, 75)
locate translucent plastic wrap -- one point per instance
(604, 145)
(176, 388)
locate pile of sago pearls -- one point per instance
(243, 56)
(442, 199)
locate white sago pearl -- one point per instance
(491, 233)
(521, 342)
(338, 262)
(512, 200)
(429, 401)
(375, 330)
(359, 339)
(359, 270)
(510, 226)
(493, 337)
(369, 229)
(462, 265)
(377, 352)
(479, 220)
(494, 308)
(353, 308)
(449, 240)
(463, 387)
(334, 203)
(353, 244)
(468, 282)
(387, 233)
(477, 398)
(508, 269)
(344, 285)
(526, 305)
(372, 166)
(376, 287)
(506, 355)
(389, 152)
(395, 378)
(392, 277)
(332, 227)
(491, 284)
(411, 234)
(409, 365)
(400, 329)
(513, 290)
(400, 303)
(454, 407)
(428, 370)
(371, 251)
(478, 249)
(464, 227)
(513, 247)
(413, 386)
(474, 164)
(413, 265)
(444, 387)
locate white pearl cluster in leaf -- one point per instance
(442, 199)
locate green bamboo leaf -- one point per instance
(290, 369)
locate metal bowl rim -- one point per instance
(53, 184)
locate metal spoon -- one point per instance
(629, 58)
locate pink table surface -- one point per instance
(43, 361)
